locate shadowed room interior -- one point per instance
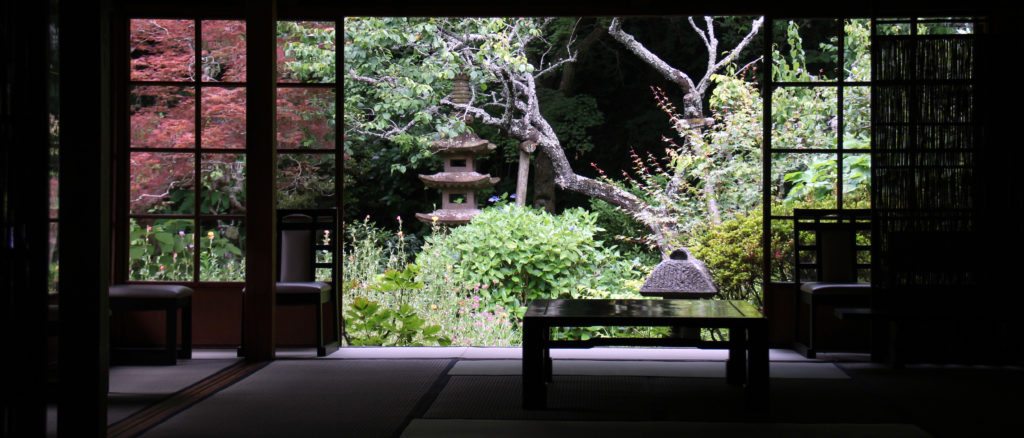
(913, 331)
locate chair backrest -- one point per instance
(296, 257)
(834, 247)
(302, 236)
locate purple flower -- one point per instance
(512, 196)
(493, 199)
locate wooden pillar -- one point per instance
(525, 149)
(85, 163)
(24, 183)
(261, 165)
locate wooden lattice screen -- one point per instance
(925, 129)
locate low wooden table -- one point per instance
(748, 337)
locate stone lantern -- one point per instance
(459, 181)
(680, 277)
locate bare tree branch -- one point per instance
(749, 64)
(754, 28)
(555, 66)
(372, 81)
(670, 73)
(693, 95)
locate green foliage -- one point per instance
(163, 251)
(732, 252)
(805, 117)
(375, 267)
(370, 324)
(571, 117)
(618, 226)
(514, 254)
(313, 51)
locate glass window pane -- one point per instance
(223, 117)
(223, 182)
(162, 183)
(857, 181)
(952, 27)
(805, 50)
(306, 181)
(883, 28)
(54, 195)
(163, 117)
(857, 52)
(856, 117)
(160, 249)
(804, 118)
(223, 51)
(222, 253)
(306, 51)
(783, 252)
(305, 118)
(54, 259)
(54, 165)
(802, 181)
(162, 50)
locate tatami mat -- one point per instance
(358, 398)
(620, 429)
(634, 398)
(650, 368)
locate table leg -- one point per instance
(534, 390)
(171, 335)
(757, 366)
(548, 363)
(736, 367)
(186, 330)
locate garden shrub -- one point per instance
(510, 255)
(370, 324)
(732, 253)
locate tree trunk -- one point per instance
(568, 80)
(544, 183)
(523, 179)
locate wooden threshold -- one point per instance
(139, 422)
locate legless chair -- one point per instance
(299, 235)
(834, 265)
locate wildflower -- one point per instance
(493, 199)
(433, 219)
(149, 228)
(209, 235)
(484, 287)
(399, 218)
(400, 234)
(162, 268)
(433, 307)
(512, 196)
(181, 233)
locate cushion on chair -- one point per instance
(821, 288)
(149, 291)
(305, 287)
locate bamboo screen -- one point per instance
(926, 134)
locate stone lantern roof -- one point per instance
(680, 276)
